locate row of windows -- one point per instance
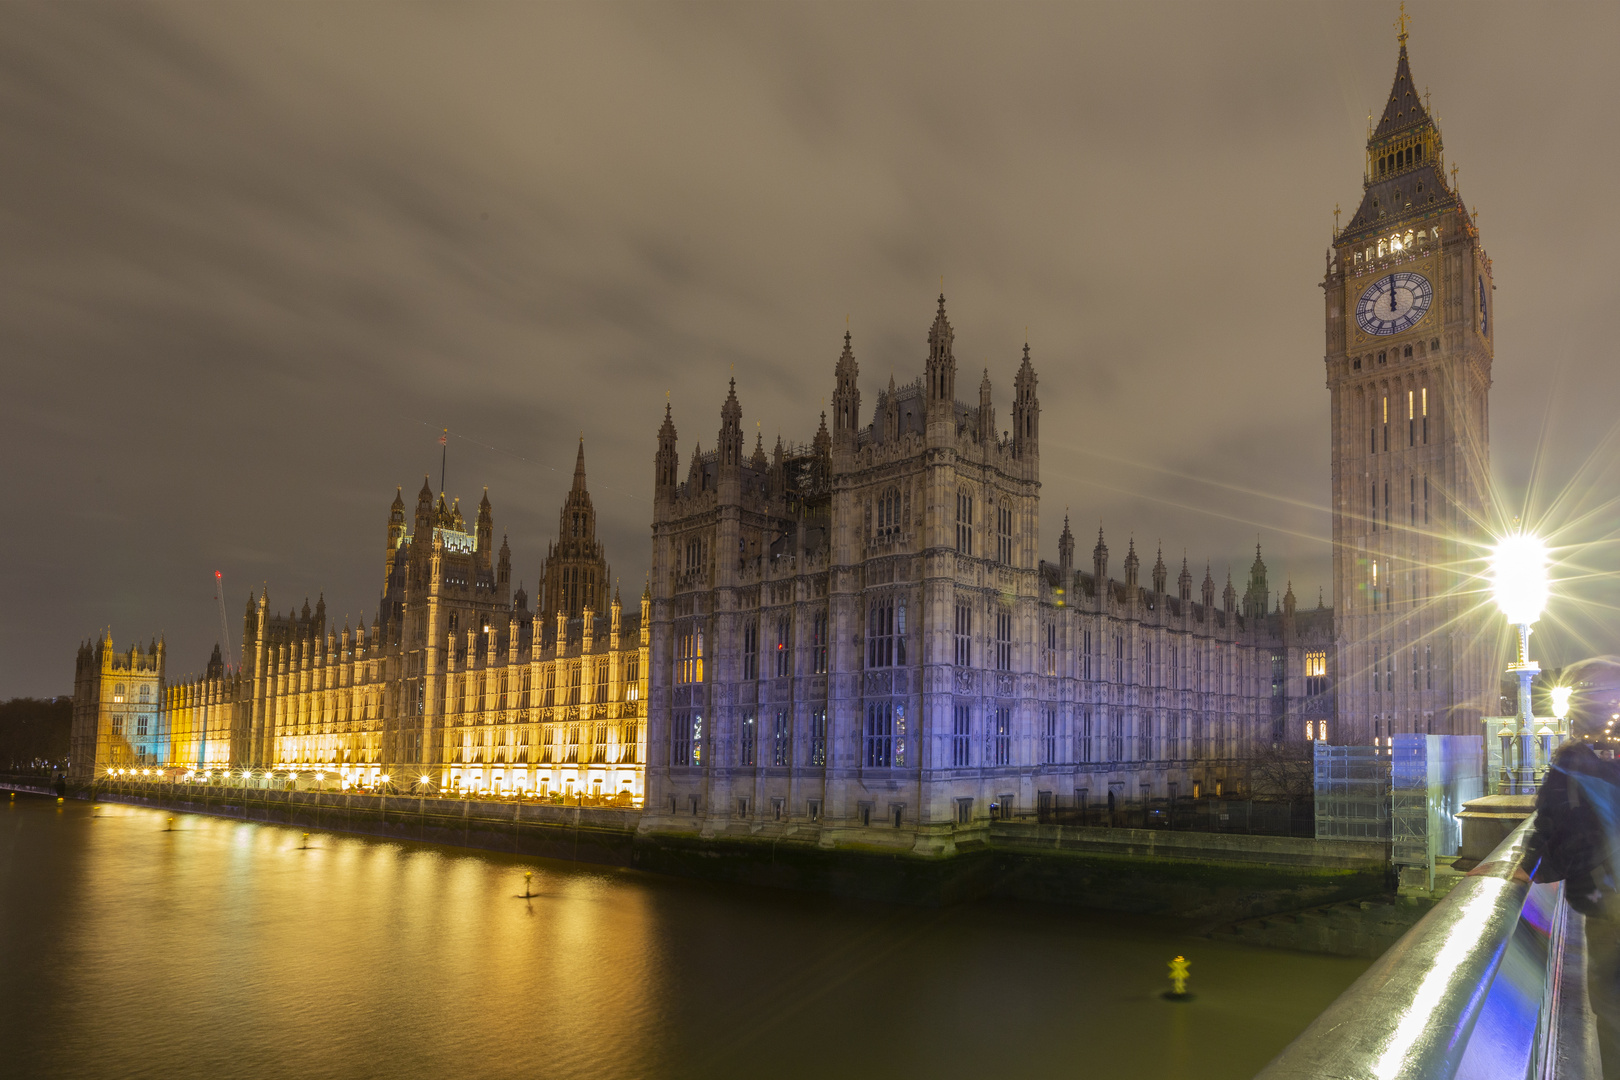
(886, 643)
(890, 514)
(119, 692)
(1400, 159)
(781, 647)
(562, 746)
(1383, 354)
(883, 738)
(964, 529)
(1396, 243)
(781, 747)
(1417, 501)
(886, 633)
(1384, 678)
(686, 743)
(1417, 420)
(578, 586)
(141, 725)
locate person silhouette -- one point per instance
(1576, 840)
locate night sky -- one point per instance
(257, 256)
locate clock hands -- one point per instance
(1392, 295)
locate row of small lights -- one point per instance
(293, 773)
(246, 775)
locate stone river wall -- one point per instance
(1204, 879)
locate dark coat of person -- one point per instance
(1575, 835)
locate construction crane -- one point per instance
(224, 623)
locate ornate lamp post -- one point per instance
(1519, 585)
(1560, 708)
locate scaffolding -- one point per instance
(1352, 792)
(1431, 776)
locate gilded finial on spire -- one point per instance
(1401, 22)
(1335, 218)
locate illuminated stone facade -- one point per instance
(856, 638)
(117, 714)
(456, 685)
(1409, 353)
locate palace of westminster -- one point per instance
(857, 639)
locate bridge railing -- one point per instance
(1473, 990)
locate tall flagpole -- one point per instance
(444, 452)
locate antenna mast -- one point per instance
(224, 624)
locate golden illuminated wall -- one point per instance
(574, 723)
(568, 720)
(200, 714)
(117, 718)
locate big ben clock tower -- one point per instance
(1409, 327)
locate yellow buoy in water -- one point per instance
(1178, 976)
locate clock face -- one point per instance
(1393, 303)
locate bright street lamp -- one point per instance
(1519, 586)
(1519, 577)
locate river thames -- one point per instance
(227, 949)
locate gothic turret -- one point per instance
(574, 577)
(486, 529)
(1159, 572)
(1065, 559)
(987, 412)
(1184, 582)
(1026, 410)
(941, 369)
(1132, 566)
(695, 481)
(424, 512)
(1229, 595)
(1099, 565)
(666, 464)
(1256, 597)
(396, 520)
(846, 398)
(731, 436)
(1208, 592)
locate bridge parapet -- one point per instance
(1491, 983)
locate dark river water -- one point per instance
(224, 949)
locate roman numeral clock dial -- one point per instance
(1394, 302)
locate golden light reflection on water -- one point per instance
(226, 949)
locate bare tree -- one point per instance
(1283, 773)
